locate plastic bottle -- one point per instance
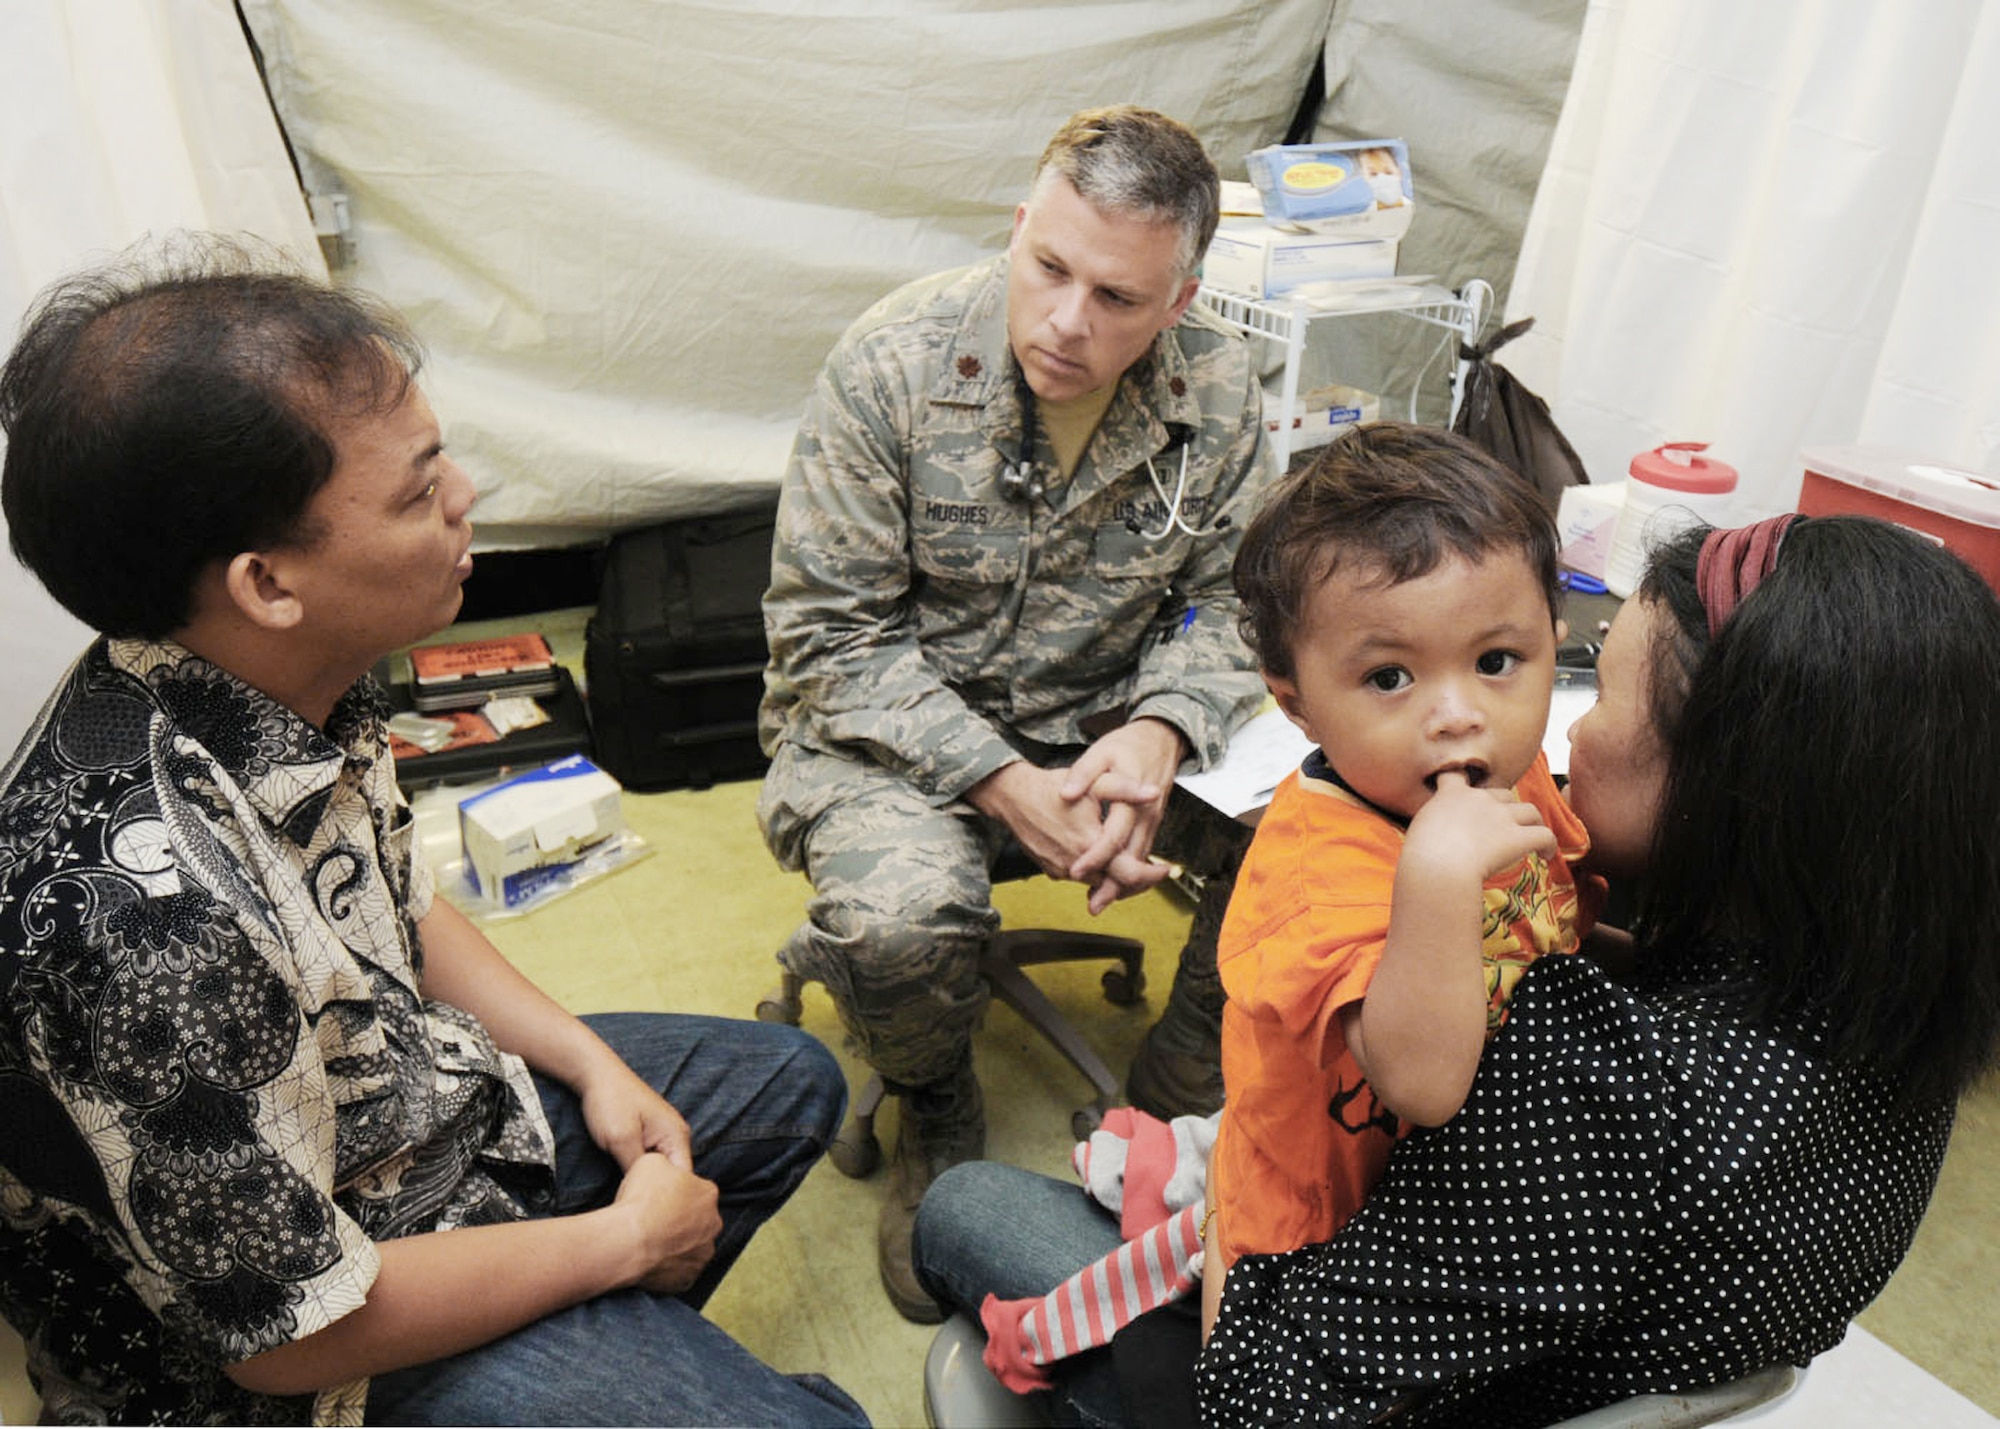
(1672, 488)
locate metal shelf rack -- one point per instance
(1285, 320)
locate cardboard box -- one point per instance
(1958, 509)
(1249, 256)
(1322, 414)
(526, 832)
(1353, 190)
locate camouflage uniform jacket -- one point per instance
(917, 610)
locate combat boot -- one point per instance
(1167, 1082)
(1178, 1071)
(940, 1124)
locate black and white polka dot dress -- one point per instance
(1640, 1195)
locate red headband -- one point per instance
(1733, 563)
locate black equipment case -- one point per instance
(674, 655)
(567, 732)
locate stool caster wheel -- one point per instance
(1085, 1120)
(855, 1153)
(776, 1007)
(1121, 990)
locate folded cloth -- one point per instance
(1143, 1168)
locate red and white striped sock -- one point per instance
(1091, 1306)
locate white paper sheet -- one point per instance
(1270, 746)
(1260, 754)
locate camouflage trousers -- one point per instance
(902, 904)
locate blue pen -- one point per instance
(1187, 621)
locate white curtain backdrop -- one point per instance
(629, 232)
(1767, 226)
(121, 118)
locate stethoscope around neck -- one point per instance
(1021, 480)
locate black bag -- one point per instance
(1512, 423)
(674, 656)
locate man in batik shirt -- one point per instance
(282, 1136)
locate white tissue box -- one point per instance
(1585, 523)
(528, 831)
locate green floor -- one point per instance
(692, 927)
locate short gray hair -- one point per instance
(1138, 162)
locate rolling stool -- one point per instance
(1714, 1405)
(960, 1392)
(856, 1152)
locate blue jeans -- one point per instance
(761, 1103)
(985, 1228)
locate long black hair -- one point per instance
(1831, 815)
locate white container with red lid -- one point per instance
(1672, 488)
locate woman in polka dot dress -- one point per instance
(1710, 1167)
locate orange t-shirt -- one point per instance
(1303, 1138)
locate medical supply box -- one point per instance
(1358, 189)
(1586, 522)
(526, 832)
(1957, 508)
(1320, 415)
(1249, 256)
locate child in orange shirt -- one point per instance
(1401, 595)
(1400, 592)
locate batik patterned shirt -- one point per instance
(219, 1083)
